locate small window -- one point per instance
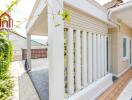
(124, 47)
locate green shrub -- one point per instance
(6, 88)
(6, 84)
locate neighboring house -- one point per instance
(20, 42)
(103, 45)
(112, 4)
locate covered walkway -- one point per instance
(117, 88)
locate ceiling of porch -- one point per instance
(41, 25)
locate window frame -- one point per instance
(125, 57)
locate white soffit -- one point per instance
(124, 13)
(38, 11)
(40, 27)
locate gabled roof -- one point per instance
(4, 14)
(32, 41)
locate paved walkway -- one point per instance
(127, 92)
(116, 89)
(39, 76)
(24, 89)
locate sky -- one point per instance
(102, 2)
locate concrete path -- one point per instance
(24, 89)
(38, 64)
(39, 76)
(41, 83)
(127, 92)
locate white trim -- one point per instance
(109, 53)
(98, 56)
(124, 58)
(130, 64)
(55, 51)
(93, 90)
(102, 56)
(90, 57)
(127, 47)
(29, 51)
(88, 8)
(33, 11)
(123, 72)
(77, 60)
(94, 58)
(84, 59)
(105, 51)
(70, 68)
(131, 53)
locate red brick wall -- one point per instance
(35, 53)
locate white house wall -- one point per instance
(96, 31)
(20, 43)
(88, 8)
(83, 21)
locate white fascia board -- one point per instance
(32, 12)
(39, 8)
(87, 7)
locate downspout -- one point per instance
(111, 19)
(117, 25)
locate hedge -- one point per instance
(6, 83)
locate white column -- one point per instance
(98, 56)
(29, 50)
(89, 57)
(131, 51)
(84, 59)
(70, 67)
(109, 54)
(55, 50)
(105, 53)
(78, 61)
(94, 58)
(101, 57)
